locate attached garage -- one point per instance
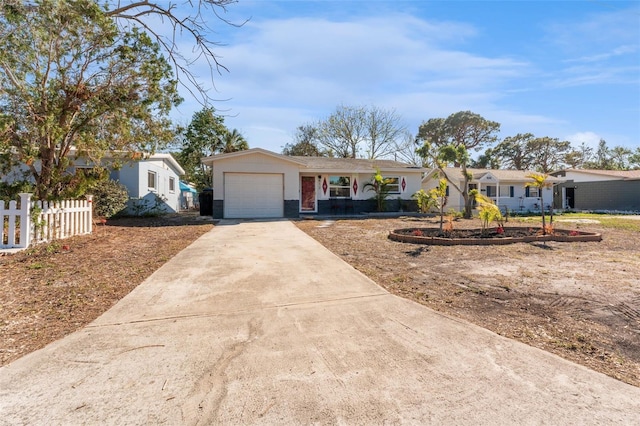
(253, 195)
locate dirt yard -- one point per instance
(580, 301)
(54, 289)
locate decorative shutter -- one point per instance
(511, 191)
(403, 184)
(526, 191)
(446, 191)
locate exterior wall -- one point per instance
(578, 176)
(256, 163)
(149, 200)
(412, 181)
(618, 195)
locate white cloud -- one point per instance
(588, 138)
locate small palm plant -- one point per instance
(488, 212)
(381, 187)
(540, 181)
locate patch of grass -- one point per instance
(37, 265)
(608, 221)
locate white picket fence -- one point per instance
(55, 220)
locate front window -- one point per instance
(491, 190)
(151, 180)
(339, 186)
(506, 191)
(533, 192)
(172, 184)
(393, 184)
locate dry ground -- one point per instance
(580, 301)
(54, 289)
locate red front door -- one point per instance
(308, 194)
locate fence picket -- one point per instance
(57, 220)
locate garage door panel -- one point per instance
(253, 195)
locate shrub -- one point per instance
(109, 198)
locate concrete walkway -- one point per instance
(256, 322)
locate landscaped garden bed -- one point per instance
(494, 236)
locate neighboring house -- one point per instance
(152, 183)
(507, 188)
(613, 190)
(257, 183)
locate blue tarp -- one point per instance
(184, 187)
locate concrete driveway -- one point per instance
(256, 322)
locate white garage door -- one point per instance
(253, 195)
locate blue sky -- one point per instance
(563, 69)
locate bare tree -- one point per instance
(353, 132)
(383, 129)
(185, 20)
(342, 133)
(406, 152)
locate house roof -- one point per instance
(618, 174)
(135, 156)
(324, 164)
(213, 158)
(354, 164)
(499, 174)
(169, 158)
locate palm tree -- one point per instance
(540, 182)
(233, 141)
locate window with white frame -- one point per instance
(152, 180)
(506, 191)
(172, 184)
(393, 184)
(491, 190)
(532, 191)
(339, 186)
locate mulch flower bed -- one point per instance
(491, 236)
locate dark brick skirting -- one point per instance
(291, 208)
(218, 209)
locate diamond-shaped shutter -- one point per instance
(355, 186)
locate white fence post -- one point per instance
(25, 220)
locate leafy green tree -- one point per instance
(74, 85)
(233, 141)
(579, 157)
(549, 153)
(516, 152)
(204, 136)
(448, 141)
(305, 143)
(488, 160)
(634, 159)
(620, 158)
(183, 34)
